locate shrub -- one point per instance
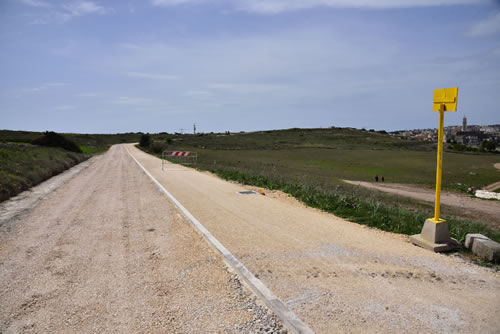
(52, 139)
(488, 145)
(158, 147)
(145, 140)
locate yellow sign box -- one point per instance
(446, 96)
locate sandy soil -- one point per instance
(337, 276)
(489, 211)
(105, 252)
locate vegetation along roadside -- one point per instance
(309, 164)
(29, 158)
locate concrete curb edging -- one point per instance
(289, 318)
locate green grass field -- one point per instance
(310, 164)
(330, 155)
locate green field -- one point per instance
(330, 155)
(310, 164)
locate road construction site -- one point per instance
(107, 252)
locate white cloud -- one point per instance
(152, 76)
(174, 2)
(43, 87)
(80, 8)
(246, 88)
(65, 107)
(135, 101)
(35, 3)
(56, 84)
(488, 26)
(64, 12)
(87, 95)
(279, 6)
(197, 93)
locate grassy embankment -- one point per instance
(310, 165)
(23, 165)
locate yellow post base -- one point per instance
(435, 237)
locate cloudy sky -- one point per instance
(162, 65)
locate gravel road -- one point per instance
(337, 276)
(488, 211)
(105, 252)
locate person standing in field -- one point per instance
(376, 178)
(383, 180)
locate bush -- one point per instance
(488, 145)
(52, 139)
(158, 147)
(145, 140)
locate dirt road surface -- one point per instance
(492, 187)
(106, 252)
(488, 210)
(337, 276)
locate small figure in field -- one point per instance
(376, 178)
(383, 179)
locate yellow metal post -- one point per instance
(439, 169)
(435, 235)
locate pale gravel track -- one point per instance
(489, 211)
(337, 276)
(106, 252)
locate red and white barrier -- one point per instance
(178, 154)
(184, 157)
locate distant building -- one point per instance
(473, 135)
(470, 138)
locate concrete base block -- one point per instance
(446, 247)
(435, 237)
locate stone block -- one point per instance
(469, 239)
(486, 249)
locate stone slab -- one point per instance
(486, 249)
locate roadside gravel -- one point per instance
(105, 252)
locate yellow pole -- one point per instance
(439, 164)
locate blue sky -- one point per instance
(161, 65)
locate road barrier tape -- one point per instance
(288, 317)
(178, 154)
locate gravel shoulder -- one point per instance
(489, 211)
(337, 276)
(106, 252)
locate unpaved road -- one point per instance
(492, 187)
(107, 253)
(337, 276)
(488, 210)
